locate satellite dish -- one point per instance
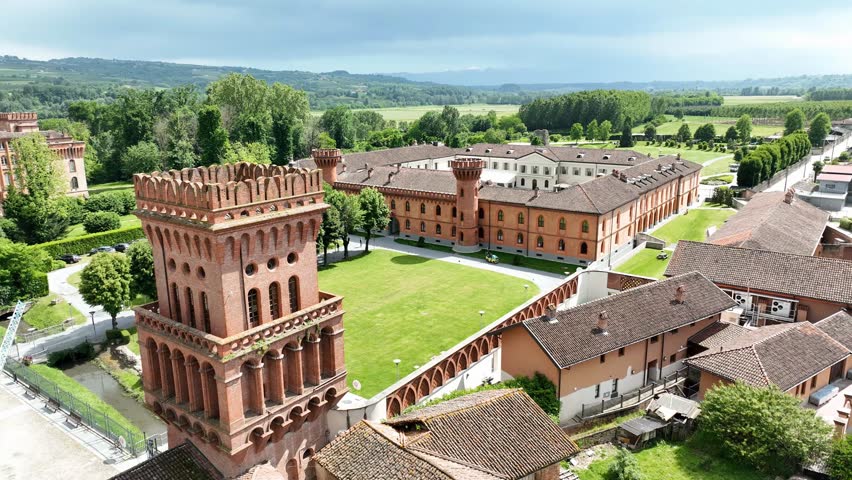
(356, 384)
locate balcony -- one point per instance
(148, 317)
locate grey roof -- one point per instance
(767, 222)
(782, 273)
(634, 315)
(838, 327)
(674, 403)
(556, 153)
(182, 462)
(437, 181)
(717, 334)
(783, 355)
(642, 425)
(391, 156)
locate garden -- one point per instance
(692, 225)
(646, 263)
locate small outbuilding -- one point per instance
(668, 416)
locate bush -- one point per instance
(121, 202)
(846, 223)
(625, 467)
(83, 244)
(516, 260)
(421, 242)
(723, 195)
(840, 461)
(540, 389)
(75, 208)
(96, 222)
(81, 353)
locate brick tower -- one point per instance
(242, 354)
(327, 160)
(467, 172)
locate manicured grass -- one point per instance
(749, 99)
(412, 308)
(505, 258)
(654, 151)
(133, 345)
(692, 226)
(74, 278)
(126, 221)
(718, 179)
(709, 204)
(408, 114)
(646, 264)
(85, 395)
(42, 314)
(110, 187)
(720, 123)
(717, 167)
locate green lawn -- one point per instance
(692, 226)
(718, 179)
(533, 263)
(409, 114)
(412, 308)
(126, 221)
(42, 314)
(646, 264)
(720, 123)
(85, 395)
(110, 187)
(716, 168)
(678, 461)
(654, 151)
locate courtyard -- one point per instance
(411, 308)
(692, 225)
(646, 264)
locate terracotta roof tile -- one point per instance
(717, 334)
(782, 273)
(438, 181)
(838, 327)
(634, 315)
(183, 462)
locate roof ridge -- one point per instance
(420, 451)
(508, 391)
(825, 259)
(583, 189)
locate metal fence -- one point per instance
(27, 337)
(633, 398)
(132, 441)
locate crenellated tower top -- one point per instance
(467, 169)
(327, 160)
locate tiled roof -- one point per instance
(782, 273)
(633, 316)
(439, 181)
(556, 153)
(767, 222)
(838, 327)
(183, 462)
(493, 434)
(717, 334)
(391, 156)
(783, 355)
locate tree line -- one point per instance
(769, 158)
(830, 94)
(836, 110)
(559, 113)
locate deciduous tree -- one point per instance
(604, 130)
(375, 213)
(683, 133)
(106, 282)
(794, 121)
(743, 127)
(330, 231)
(576, 132)
(142, 280)
(212, 137)
(144, 157)
(348, 209)
(819, 129)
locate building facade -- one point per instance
(562, 220)
(70, 152)
(242, 354)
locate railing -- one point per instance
(149, 317)
(27, 337)
(128, 440)
(631, 399)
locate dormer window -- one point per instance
(581, 155)
(487, 150)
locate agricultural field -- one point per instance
(409, 114)
(750, 99)
(721, 124)
(412, 308)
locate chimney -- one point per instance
(839, 428)
(680, 294)
(843, 413)
(789, 195)
(344, 168)
(535, 193)
(369, 172)
(550, 314)
(390, 176)
(848, 402)
(603, 324)
(398, 166)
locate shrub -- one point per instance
(624, 467)
(421, 242)
(846, 223)
(540, 389)
(75, 208)
(83, 244)
(96, 222)
(840, 461)
(106, 202)
(516, 260)
(81, 353)
(723, 195)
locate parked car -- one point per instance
(662, 256)
(492, 258)
(101, 249)
(69, 258)
(121, 247)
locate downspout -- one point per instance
(662, 353)
(611, 235)
(645, 367)
(527, 243)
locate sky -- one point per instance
(483, 41)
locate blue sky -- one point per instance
(527, 42)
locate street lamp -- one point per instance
(92, 313)
(396, 362)
(481, 313)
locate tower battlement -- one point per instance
(467, 168)
(19, 116)
(223, 192)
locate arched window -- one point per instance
(481, 213)
(561, 245)
(422, 208)
(461, 217)
(407, 224)
(72, 166)
(585, 226)
(177, 314)
(293, 289)
(520, 219)
(205, 312)
(562, 223)
(393, 204)
(455, 212)
(499, 235)
(438, 229)
(535, 184)
(453, 231)
(190, 306)
(541, 220)
(253, 312)
(422, 226)
(481, 232)
(547, 184)
(74, 183)
(407, 206)
(584, 249)
(274, 301)
(523, 182)
(437, 210)
(520, 238)
(499, 215)
(539, 242)
(461, 192)
(461, 236)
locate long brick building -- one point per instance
(560, 203)
(70, 152)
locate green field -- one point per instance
(110, 187)
(645, 264)
(721, 124)
(691, 154)
(126, 221)
(678, 461)
(692, 226)
(409, 114)
(719, 167)
(42, 314)
(412, 308)
(750, 99)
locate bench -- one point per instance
(74, 420)
(51, 405)
(32, 390)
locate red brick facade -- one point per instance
(242, 354)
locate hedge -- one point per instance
(83, 244)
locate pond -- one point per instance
(103, 385)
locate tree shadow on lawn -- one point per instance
(409, 260)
